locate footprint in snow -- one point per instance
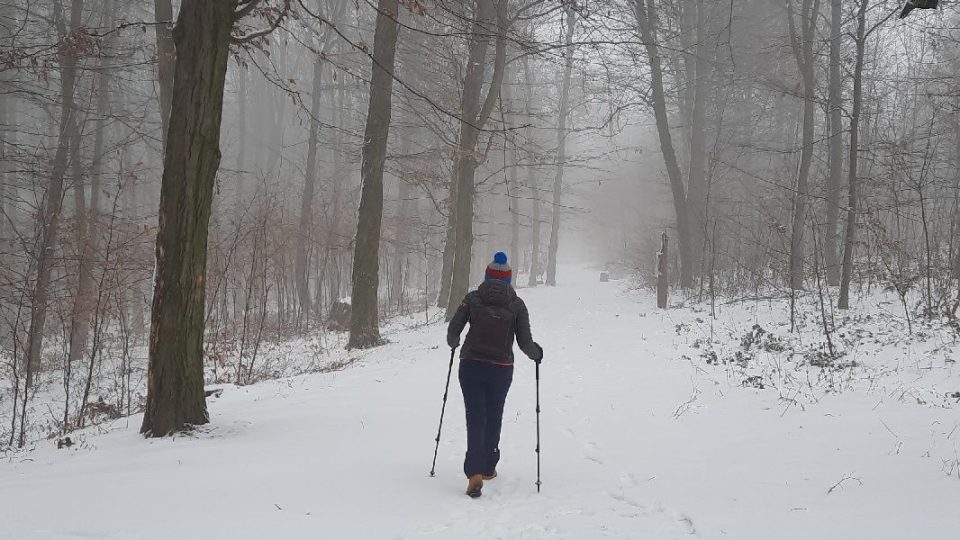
(686, 524)
(623, 498)
(590, 453)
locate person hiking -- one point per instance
(496, 316)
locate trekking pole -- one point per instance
(538, 426)
(446, 391)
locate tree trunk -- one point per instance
(571, 16)
(364, 321)
(242, 135)
(88, 219)
(166, 58)
(834, 179)
(334, 221)
(853, 199)
(6, 179)
(306, 202)
(8, 117)
(803, 51)
(473, 118)
(276, 112)
(301, 269)
(402, 231)
(532, 180)
(663, 272)
(449, 247)
(512, 158)
(52, 206)
(80, 315)
(954, 249)
(175, 396)
(697, 174)
(647, 23)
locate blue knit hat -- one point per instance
(499, 269)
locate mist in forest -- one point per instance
(326, 166)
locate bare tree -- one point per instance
(802, 44)
(53, 200)
(203, 33)
(648, 22)
(834, 179)
(489, 19)
(532, 183)
(850, 237)
(310, 177)
(571, 15)
(364, 317)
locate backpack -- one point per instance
(491, 331)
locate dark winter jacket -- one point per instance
(496, 315)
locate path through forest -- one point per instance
(638, 442)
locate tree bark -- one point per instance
(242, 99)
(488, 18)
(5, 177)
(334, 224)
(166, 58)
(698, 76)
(512, 158)
(8, 117)
(834, 179)
(532, 181)
(80, 315)
(554, 246)
(853, 199)
(449, 246)
(803, 51)
(175, 397)
(364, 316)
(402, 230)
(306, 202)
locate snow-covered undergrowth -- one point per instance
(868, 348)
(117, 386)
(652, 427)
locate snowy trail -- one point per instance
(637, 443)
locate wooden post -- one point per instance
(663, 281)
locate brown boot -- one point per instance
(490, 476)
(474, 485)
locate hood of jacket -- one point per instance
(496, 293)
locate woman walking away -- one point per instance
(496, 316)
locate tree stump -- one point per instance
(663, 276)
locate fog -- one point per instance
(778, 145)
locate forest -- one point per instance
(783, 146)
(207, 194)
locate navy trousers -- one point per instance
(485, 388)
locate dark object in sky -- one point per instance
(917, 4)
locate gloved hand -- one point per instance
(539, 358)
(453, 343)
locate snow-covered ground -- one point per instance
(651, 428)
